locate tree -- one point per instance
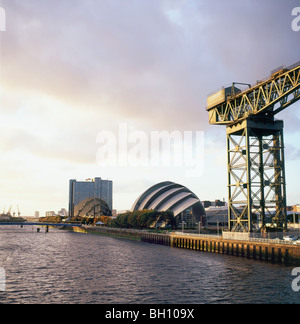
(144, 219)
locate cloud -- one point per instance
(146, 60)
(72, 68)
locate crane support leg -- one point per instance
(256, 176)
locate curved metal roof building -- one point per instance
(92, 207)
(172, 196)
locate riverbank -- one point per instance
(130, 234)
(256, 250)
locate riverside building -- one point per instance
(86, 198)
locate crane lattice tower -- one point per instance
(255, 148)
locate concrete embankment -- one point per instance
(256, 250)
(135, 235)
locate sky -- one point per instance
(71, 70)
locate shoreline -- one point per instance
(133, 235)
(262, 251)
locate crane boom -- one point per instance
(264, 100)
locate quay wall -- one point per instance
(262, 251)
(276, 253)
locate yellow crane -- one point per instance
(255, 148)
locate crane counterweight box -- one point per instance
(221, 96)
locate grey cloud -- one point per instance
(133, 58)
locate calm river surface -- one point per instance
(63, 267)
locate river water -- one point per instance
(65, 267)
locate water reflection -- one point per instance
(63, 267)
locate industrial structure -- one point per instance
(9, 213)
(255, 148)
(171, 196)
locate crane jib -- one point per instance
(265, 99)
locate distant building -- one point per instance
(36, 214)
(295, 208)
(216, 203)
(50, 213)
(89, 197)
(5, 217)
(63, 212)
(217, 216)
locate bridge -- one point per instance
(41, 224)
